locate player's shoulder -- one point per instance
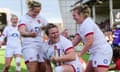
(24, 17)
(8, 26)
(89, 21)
(41, 17)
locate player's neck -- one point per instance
(52, 42)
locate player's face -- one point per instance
(78, 18)
(14, 20)
(53, 34)
(36, 11)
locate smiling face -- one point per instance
(53, 35)
(35, 11)
(77, 17)
(34, 8)
(14, 20)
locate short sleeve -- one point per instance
(67, 44)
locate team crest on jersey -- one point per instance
(105, 61)
(38, 21)
(36, 29)
(14, 35)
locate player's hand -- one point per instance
(33, 34)
(65, 33)
(79, 54)
(53, 59)
(1, 43)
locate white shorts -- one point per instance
(101, 59)
(77, 67)
(32, 54)
(11, 52)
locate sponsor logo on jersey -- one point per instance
(105, 61)
(14, 35)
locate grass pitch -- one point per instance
(12, 68)
(23, 67)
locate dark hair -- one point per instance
(32, 4)
(116, 53)
(49, 26)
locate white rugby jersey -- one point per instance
(64, 45)
(89, 27)
(32, 24)
(13, 37)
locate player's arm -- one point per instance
(2, 40)
(24, 33)
(76, 39)
(1, 43)
(65, 33)
(88, 44)
(69, 56)
(112, 67)
(3, 37)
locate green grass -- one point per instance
(12, 68)
(23, 67)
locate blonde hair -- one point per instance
(32, 4)
(84, 9)
(12, 16)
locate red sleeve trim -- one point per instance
(21, 25)
(73, 68)
(103, 66)
(68, 49)
(90, 33)
(26, 61)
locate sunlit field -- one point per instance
(23, 67)
(12, 68)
